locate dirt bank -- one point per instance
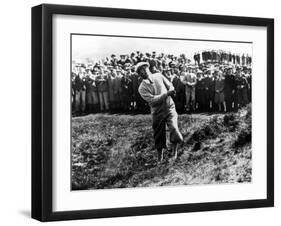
(115, 151)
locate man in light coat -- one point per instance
(190, 81)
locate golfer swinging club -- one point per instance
(157, 91)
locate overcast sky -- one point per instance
(99, 47)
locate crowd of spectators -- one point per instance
(213, 81)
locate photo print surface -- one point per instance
(151, 112)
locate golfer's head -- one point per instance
(143, 69)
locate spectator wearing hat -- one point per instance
(233, 58)
(80, 93)
(248, 77)
(189, 80)
(207, 96)
(102, 84)
(113, 60)
(117, 90)
(73, 76)
(199, 90)
(243, 59)
(124, 61)
(139, 57)
(153, 65)
(196, 58)
(242, 87)
(229, 89)
(133, 58)
(179, 99)
(248, 60)
(127, 91)
(219, 91)
(112, 97)
(238, 58)
(92, 98)
(157, 91)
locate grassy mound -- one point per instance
(116, 151)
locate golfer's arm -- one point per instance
(152, 99)
(168, 84)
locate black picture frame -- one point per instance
(42, 111)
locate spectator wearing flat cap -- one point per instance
(102, 84)
(189, 80)
(113, 60)
(248, 76)
(180, 90)
(196, 58)
(207, 97)
(199, 90)
(229, 89)
(127, 91)
(73, 76)
(112, 97)
(242, 89)
(117, 90)
(92, 98)
(243, 59)
(219, 91)
(80, 93)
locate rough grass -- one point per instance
(116, 151)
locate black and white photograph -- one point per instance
(152, 112)
(142, 112)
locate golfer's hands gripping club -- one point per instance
(171, 93)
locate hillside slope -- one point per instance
(115, 151)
